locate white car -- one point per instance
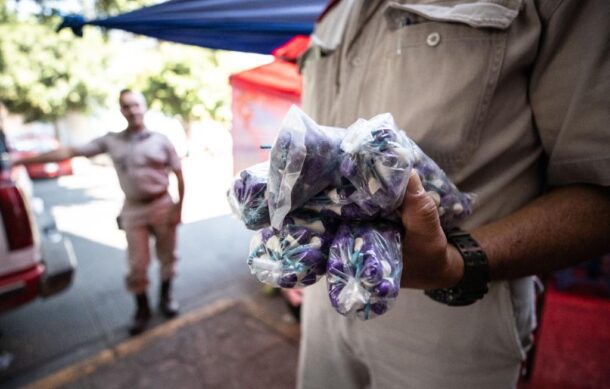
(35, 259)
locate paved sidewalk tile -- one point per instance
(231, 344)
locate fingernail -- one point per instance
(414, 186)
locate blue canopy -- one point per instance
(257, 26)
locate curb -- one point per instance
(88, 366)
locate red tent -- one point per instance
(261, 98)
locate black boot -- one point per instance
(142, 316)
(167, 305)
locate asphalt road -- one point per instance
(94, 313)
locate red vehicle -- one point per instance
(32, 145)
(35, 259)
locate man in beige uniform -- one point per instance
(142, 160)
(511, 98)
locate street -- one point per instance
(93, 315)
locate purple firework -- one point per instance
(377, 160)
(247, 196)
(364, 269)
(453, 205)
(293, 256)
(304, 160)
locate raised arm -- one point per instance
(57, 155)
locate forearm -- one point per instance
(565, 226)
(56, 155)
(181, 193)
(181, 189)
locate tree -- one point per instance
(111, 7)
(94, 7)
(44, 75)
(189, 83)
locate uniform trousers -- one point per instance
(418, 344)
(141, 222)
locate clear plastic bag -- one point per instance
(364, 269)
(453, 205)
(356, 174)
(337, 202)
(247, 196)
(304, 161)
(378, 161)
(295, 255)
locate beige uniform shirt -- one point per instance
(142, 162)
(508, 96)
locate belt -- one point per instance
(148, 199)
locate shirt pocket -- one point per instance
(319, 68)
(150, 155)
(445, 59)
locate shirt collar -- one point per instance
(138, 136)
(329, 6)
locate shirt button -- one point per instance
(433, 39)
(357, 61)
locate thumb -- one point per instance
(419, 212)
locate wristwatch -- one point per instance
(473, 285)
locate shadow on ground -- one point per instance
(225, 345)
(94, 313)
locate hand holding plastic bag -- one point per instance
(453, 205)
(378, 159)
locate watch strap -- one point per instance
(473, 285)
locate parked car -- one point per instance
(35, 259)
(31, 145)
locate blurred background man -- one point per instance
(143, 161)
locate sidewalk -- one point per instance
(228, 344)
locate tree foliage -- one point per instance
(112, 7)
(98, 8)
(44, 75)
(188, 84)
